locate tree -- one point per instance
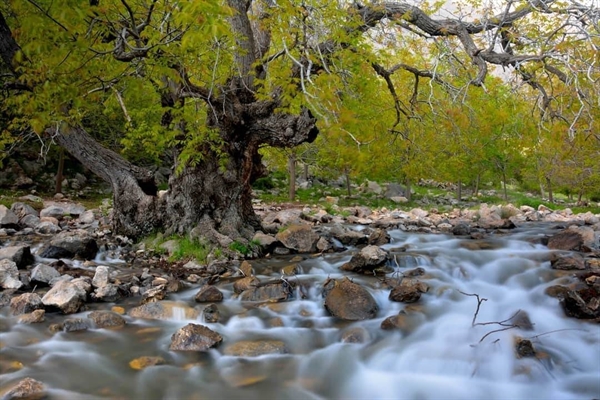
(224, 78)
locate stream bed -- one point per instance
(453, 343)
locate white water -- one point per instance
(437, 355)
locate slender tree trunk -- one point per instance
(580, 197)
(477, 180)
(408, 192)
(348, 187)
(504, 185)
(292, 173)
(550, 194)
(305, 172)
(542, 190)
(59, 172)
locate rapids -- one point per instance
(437, 353)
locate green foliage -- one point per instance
(243, 248)
(185, 248)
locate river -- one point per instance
(439, 351)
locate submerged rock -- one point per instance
(194, 337)
(255, 348)
(145, 362)
(26, 389)
(164, 310)
(269, 291)
(106, 319)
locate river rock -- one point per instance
(567, 262)
(245, 283)
(461, 229)
(61, 209)
(524, 348)
(265, 242)
(270, 291)
(34, 317)
(378, 237)
(208, 294)
(146, 361)
(22, 209)
(583, 303)
(566, 240)
(367, 261)
(65, 295)
(346, 236)
(87, 217)
(9, 275)
(255, 348)
(347, 300)
(408, 291)
(76, 324)
(8, 219)
(26, 389)
(211, 314)
(154, 294)
(107, 293)
(101, 277)
(194, 337)
(164, 310)
(26, 303)
(20, 255)
(104, 319)
(67, 244)
(299, 237)
(47, 228)
(355, 334)
(43, 274)
(29, 221)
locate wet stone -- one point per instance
(208, 294)
(255, 348)
(26, 303)
(26, 389)
(355, 335)
(154, 294)
(245, 283)
(566, 240)
(299, 237)
(163, 310)
(32, 317)
(44, 274)
(211, 314)
(145, 362)
(409, 291)
(101, 278)
(291, 270)
(76, 324)
(20, 255)
(568, 262)
(9, 275)
(367, 260)
(378, 237)
(271, 291)
(524, 348)
(106, 319)
(107, 293)
(67, 296)
(194, 337)
(347, 300)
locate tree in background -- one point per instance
(208, 83)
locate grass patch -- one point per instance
(190, 249)
(244, 249)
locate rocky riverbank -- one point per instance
(63, 260)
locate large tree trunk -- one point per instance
(210, 197)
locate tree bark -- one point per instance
(292, 173)
(8, 46)
(59, 172)
(550, 194)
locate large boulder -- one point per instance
(59, 210)
(370, 260)
(20, 255)
(347, 300)
(67, 244)
(66, 296)
(194, 337)
(9, 275)
(299, 237)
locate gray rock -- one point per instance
(8, 219)
(76, 324)
(101, 276)
(53, 211)
(44, 274)
(194, 337)
(270, 291)
(211, 314)
(47, 228)
(348, 237)
(26, 303)
(87, 217)
(374, 187)
(9, 275)
(299, 237)
(67, 244)
(21, 210)
(61, 209)
(106, 319)
(461, 229)
(66, 296)
(369, 260)
(395, 190)
(20, 255)
(349, 301)
(567, 262)
(164, 310)
(107, 293)
(29, 221)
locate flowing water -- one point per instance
(436, 354)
